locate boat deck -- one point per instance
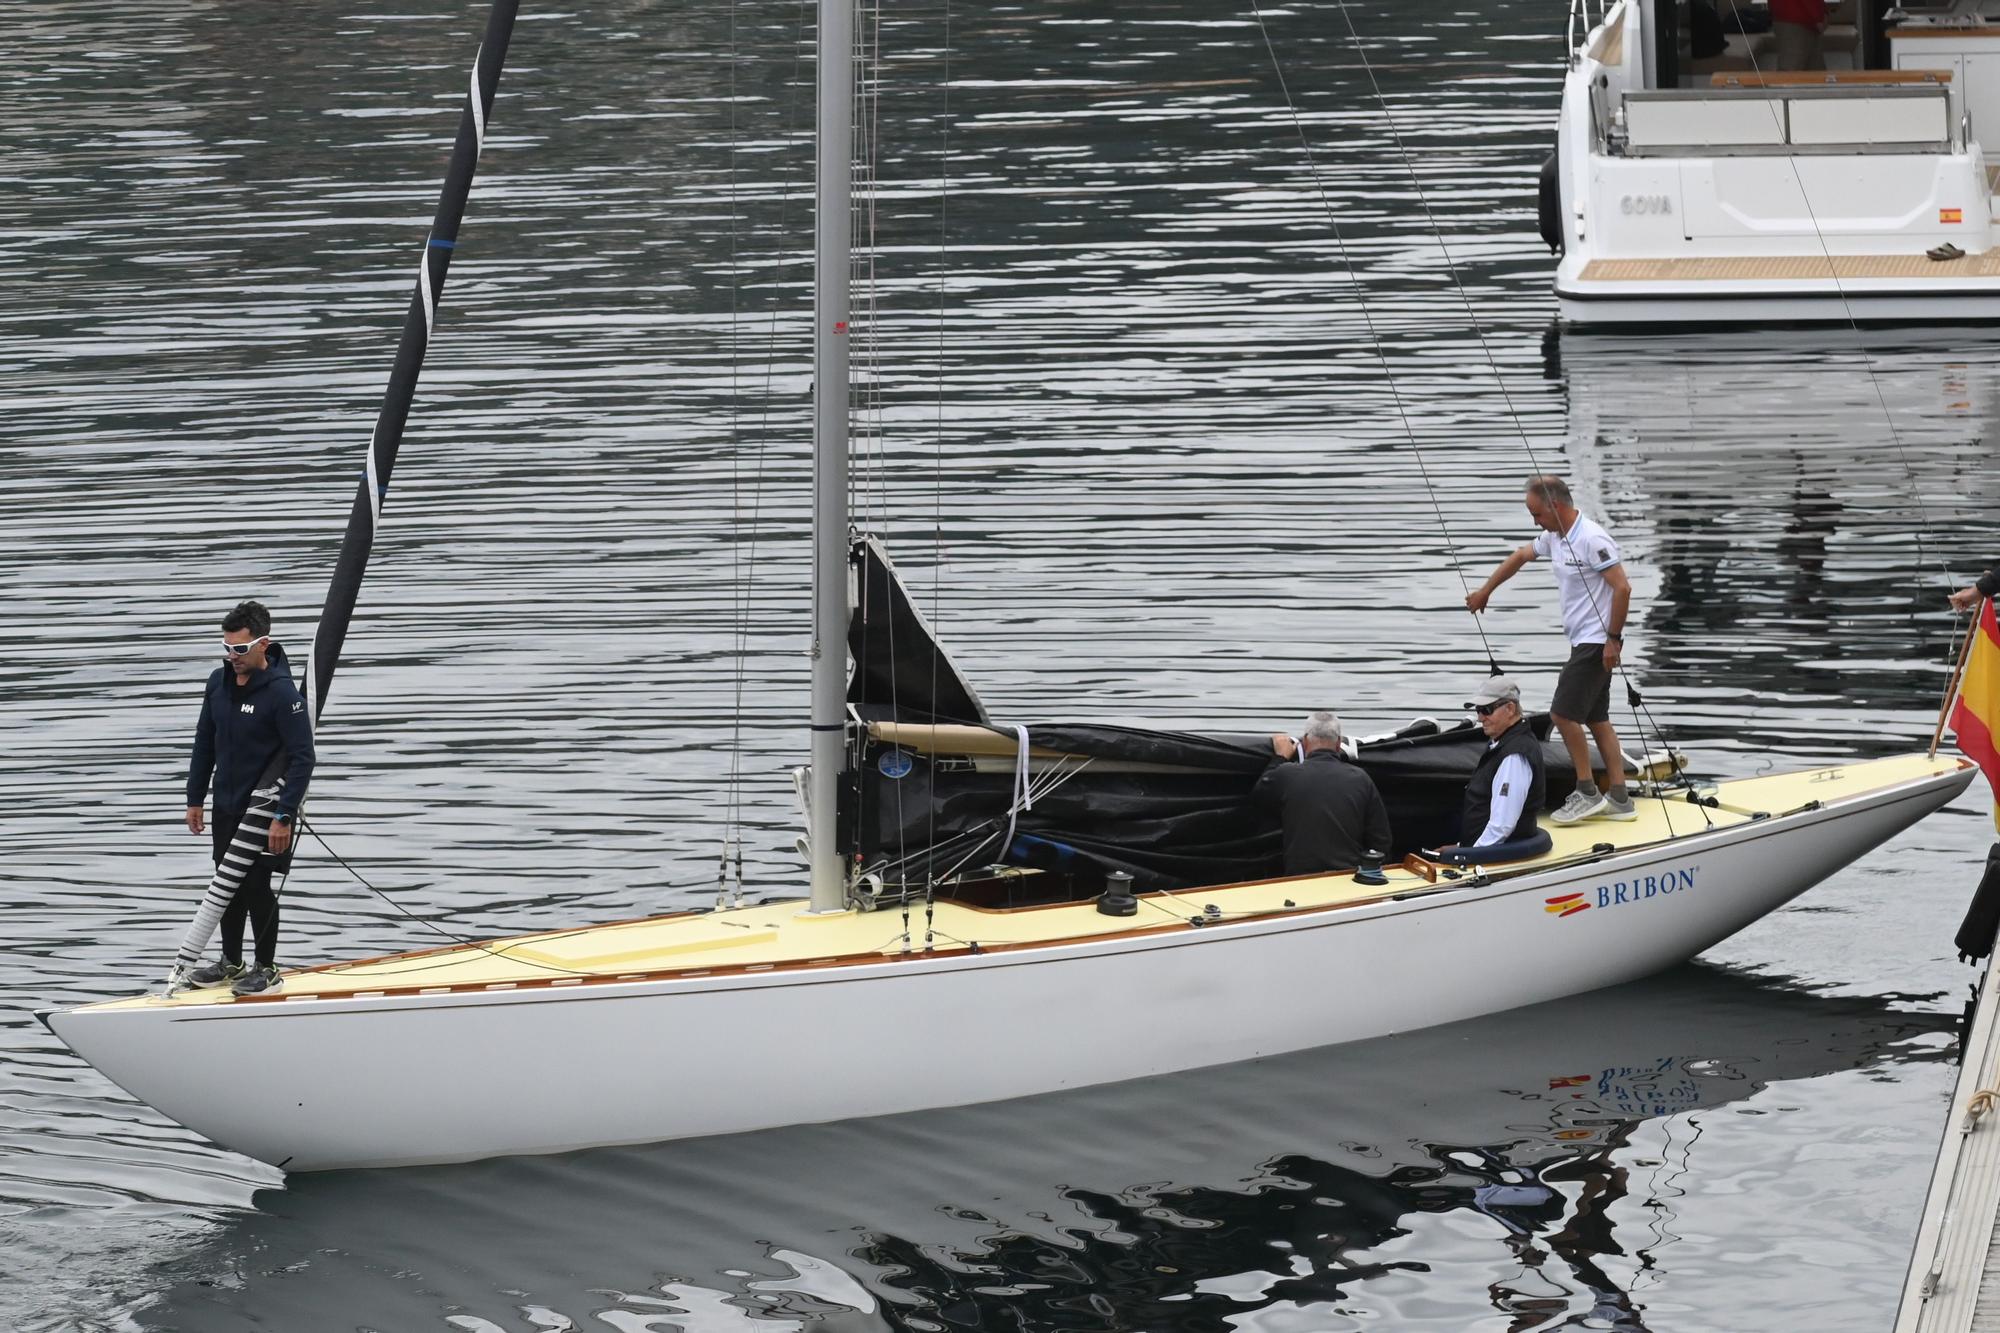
(782, 935)
(1793, 268)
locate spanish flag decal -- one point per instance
(1569, 904)
(1951, 215)
(1975, 720)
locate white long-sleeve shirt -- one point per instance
(1510, 793)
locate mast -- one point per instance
(387, 436)
(832, 244)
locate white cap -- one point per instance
(1497, 689)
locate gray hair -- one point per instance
(1550, 489)
(1324, 726)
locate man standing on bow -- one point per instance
(253, 723)
(1596, 595)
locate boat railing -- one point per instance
(1584, 16)
(1785, 120)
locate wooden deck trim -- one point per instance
(1470, 877)
(1793, 268)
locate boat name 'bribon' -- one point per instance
(1641, 887)
(1621, 891)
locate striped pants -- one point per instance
(240, 889)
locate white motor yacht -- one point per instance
(1695, 181)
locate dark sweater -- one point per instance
(247, 729)
(1330, 810)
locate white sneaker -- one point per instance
(1622, 811)
(1579, 808)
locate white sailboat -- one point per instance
(1020, 966)
(1699, 186)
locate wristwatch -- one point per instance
(281, 819)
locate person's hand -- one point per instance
(1965, 598)
(1282, 746)
(1476, 601)
(1613, 650)
(194, 819)
(280, 837)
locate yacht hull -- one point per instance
(314, 1084)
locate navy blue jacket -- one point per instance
(244, 729)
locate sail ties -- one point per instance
(1024, 796)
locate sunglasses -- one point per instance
(1488, 710)
(239, 649)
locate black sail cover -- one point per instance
(899, 670)
(1172, 809)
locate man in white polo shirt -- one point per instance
(1590, 575)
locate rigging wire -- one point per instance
(1374, 336)
(873, 483)
(1925, 527)
(1861, 347)
(1052, 779)
(867, 482)
(732, 805)
(937, 464)
(1875, 382)
(1642, 717)
(308, 827)
(760, 456)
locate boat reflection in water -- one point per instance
(1532, 1161)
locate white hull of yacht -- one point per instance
(1763, 196)
(311, 1084)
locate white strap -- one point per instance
(1023, 800)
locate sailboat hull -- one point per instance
(313, 1084)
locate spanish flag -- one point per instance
(1975, 720)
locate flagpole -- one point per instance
(1957, 674)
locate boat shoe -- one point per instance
(264, 977)
(216, 973)
(1580, 807)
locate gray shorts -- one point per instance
(1583, 691)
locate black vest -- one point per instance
(1517, 739)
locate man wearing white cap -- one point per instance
(1504, 795)
(1590, 575)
